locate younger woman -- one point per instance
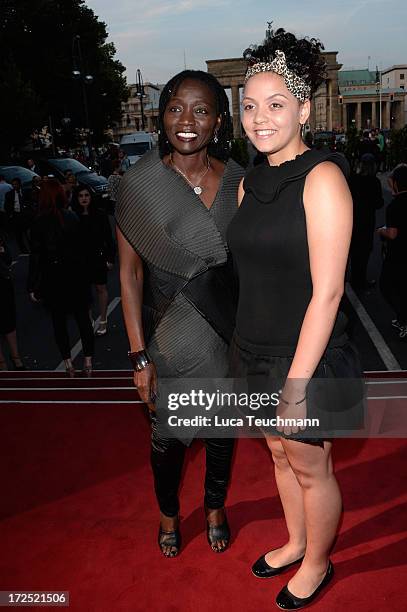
(290, 242)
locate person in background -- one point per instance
(98, 246)
(57, 272)
(17, 212)
(4, 188)
(113, 183)
(70, 184)
(366, 190)
(382, 150)
(124, 161)
(111, 154)
(367, 146)
(31, 165)
(7, 304)
(393, 279)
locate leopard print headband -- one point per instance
(295, 84)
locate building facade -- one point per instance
(363, 98)
(370, 99)
(346, 98)
(139, 113)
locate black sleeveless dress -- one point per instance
(268, 241)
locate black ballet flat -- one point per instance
(261, 569)
(287, 601)
(169, 539)
(216, 533)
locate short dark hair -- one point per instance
(303, 55)
(399, 176)
(221, 149)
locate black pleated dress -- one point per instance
(268, 241)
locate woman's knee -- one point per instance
(310, 464)
(277, 452)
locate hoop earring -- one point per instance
(302, 130)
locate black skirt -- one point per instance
(335, 394)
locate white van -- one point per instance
(136, 144)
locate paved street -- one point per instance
(369, 315)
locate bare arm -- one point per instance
(131, 282)
(328, 208)
(240, 193)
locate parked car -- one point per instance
(340, 139)
(26, 176)
(324, 139)
(59, 165)
(136, 144)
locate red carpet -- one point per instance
(78, 513)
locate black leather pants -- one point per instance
(167, 458)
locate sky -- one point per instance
(157, 36)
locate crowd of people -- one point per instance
(20, 210)
(69, 240)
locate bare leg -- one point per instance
(292, 501)
(103, 299)
(12, 342)
(69, 367)
(312, 466)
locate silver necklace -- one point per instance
(197, 188)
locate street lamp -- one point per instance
(140, 93)
(79, 75)
(379, 92)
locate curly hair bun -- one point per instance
(303, 55)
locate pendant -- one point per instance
(198, 190)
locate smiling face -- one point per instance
(190, 117)
(272, 116)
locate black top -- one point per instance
(96, 235)
(268, 241)
(57, 261)
(396, 216)
(183, 247)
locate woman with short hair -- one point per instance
(177, 285)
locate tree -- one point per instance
(21, 109)
(37, 44)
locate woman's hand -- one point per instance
(292, 405)
(146, 383)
